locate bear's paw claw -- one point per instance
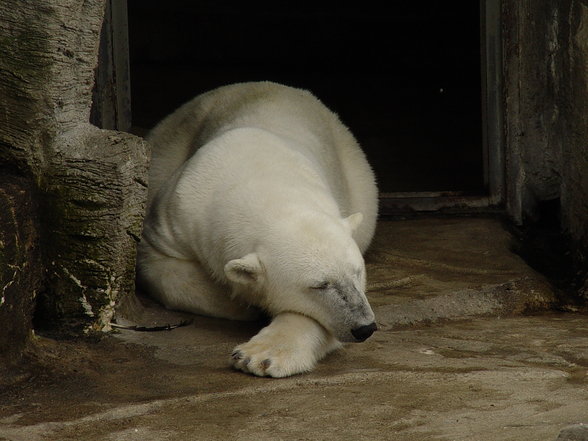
(267, 361)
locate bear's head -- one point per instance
(312, 266)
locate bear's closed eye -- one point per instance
(322, 286)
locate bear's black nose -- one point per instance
(363, 332)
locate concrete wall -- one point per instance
(545, 47)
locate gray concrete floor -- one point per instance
(469, 348)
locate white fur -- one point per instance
(260, 198)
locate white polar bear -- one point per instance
(259, 197)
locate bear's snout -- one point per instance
(364, 332)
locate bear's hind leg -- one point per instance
(184, 285)
(290, 344)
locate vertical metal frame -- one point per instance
(492, 100)
(112, 93)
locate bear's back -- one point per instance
(265, 105)
(289, 112)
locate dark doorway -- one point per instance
(405, 79)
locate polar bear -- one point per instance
(261, 199)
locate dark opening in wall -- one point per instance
(405, 79)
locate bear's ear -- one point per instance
(245, 271)
(354, 221)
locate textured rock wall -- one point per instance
(20, 269)
(575, 145)
(545, 47)
(533, 60)
(72, 195)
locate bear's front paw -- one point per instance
(266, 359)
(290, 344)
